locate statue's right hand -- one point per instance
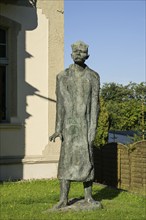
(55, 135)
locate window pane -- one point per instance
(2, 36)
(2, 51)
(2, 93)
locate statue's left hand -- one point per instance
(55, 135)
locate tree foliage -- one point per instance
(126, 105)
(101, 137)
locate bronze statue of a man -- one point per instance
(77, 91)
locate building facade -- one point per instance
(31, 55)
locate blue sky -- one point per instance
(115, 33)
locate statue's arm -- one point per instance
(94, 107)
(59, 113)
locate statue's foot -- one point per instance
(93, 202)
(60, 204)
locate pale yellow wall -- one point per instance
(32, 64)
(36, 69)
(12, 141)
(40, 56)
(51, 10)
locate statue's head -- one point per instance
(79, 52)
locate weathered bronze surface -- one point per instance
(77, 91)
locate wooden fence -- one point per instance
(122, 166)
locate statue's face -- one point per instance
(79, 55)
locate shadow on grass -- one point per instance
(106, 193)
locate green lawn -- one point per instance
(26, 200)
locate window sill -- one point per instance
(10, 126)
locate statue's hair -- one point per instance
(79, 44)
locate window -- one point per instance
(3, 74)
(9, 30)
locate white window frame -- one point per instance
(4, 62)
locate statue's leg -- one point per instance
(88, 193)
(64, 190)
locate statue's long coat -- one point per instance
(76, 118)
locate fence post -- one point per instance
(119, 167)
